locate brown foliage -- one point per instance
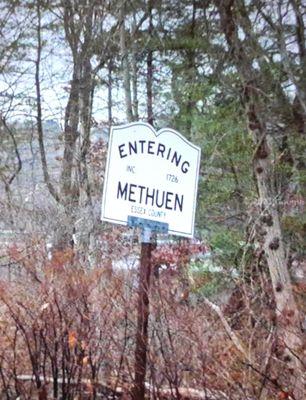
(70, 331)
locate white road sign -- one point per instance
(151, 175)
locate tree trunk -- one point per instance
(149, 82)
(134, 72)
(125, 66)
(191, 71)
(40, 132)
(288, 322)
(110, 94)
(142, 321)
(70, 137)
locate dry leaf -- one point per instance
(72, 339)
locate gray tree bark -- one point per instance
(288, 321)
(125, 66)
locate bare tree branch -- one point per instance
(19, 166)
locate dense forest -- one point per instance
(226, 311)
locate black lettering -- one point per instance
(159, 202)
(142, 142)
(121, 147)
(131, 168)
(122, 193)
(141, 191)
(132, 193)
(150, 147)
(133, 148)
(185, 167)
(169, 201)
(153, 197)
(150, 196)
(161, 149)
(176, 159)
(178, 202)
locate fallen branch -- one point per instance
(232, 335)
(163, 393)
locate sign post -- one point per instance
(143, 312)
(150, 182)
(149, 228)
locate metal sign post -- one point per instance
(143, 311)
